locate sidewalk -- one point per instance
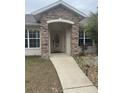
(72, 79)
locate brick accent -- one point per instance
(44, 41)
(75, 39)
(55, 13)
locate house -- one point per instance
(53, 29)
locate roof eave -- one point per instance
(32, 24)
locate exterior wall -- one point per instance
(45, 40)
(56, 13)
(33, 52)
(75, 39)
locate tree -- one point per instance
(91, 28)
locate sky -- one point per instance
(86, 6)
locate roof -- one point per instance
(84, 22)
(58, 3)
(30, 20)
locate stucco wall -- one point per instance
(33, 52)
(68, 41)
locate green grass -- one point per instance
(40, 76)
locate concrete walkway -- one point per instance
(72, 79)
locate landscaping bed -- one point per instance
(89, 65)
(40, 76)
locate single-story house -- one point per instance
(54, 29)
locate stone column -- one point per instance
(75, 39)
(44, 41)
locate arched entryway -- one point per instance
(60, 36)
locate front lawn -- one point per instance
(40, 76)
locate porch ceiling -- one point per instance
(59, 26)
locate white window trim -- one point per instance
(85, 38)
(32, 38)
(28, 38)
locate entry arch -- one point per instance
(56, 26)
(60, 20)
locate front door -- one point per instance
(57, 42)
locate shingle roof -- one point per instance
(30, 20)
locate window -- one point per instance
(32, 39)
(26, 39)
(88, 41)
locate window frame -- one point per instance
(28, 30)
(26, 38)
(85, 41)
(84, 38)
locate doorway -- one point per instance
(58, 42)
(59, 38)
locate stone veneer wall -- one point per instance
(44, 40)
(75, 39)
(55, 13)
